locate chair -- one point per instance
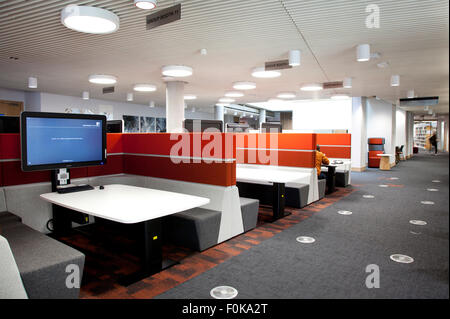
(376, 146)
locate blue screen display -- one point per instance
(63, 141)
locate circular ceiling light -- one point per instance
(32, 82)
(144, 88)
(85, 95)
(130, 97)
(294, 57)
(286, 95)
(226, 100)
(177, 71)
(395, 80)
(312, 87)
(89, 19)
(190, 97)
(244, 85)
(340, 97)
(234, 94)
(102, 79)
(145, 4)
(263, 74)
(410, 94)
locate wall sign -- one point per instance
(277, 65)
(164, 16)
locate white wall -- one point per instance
(47, 102)
(322, 115)
(381, 122)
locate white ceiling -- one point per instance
(239, 35)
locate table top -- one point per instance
(384, 154)
(268, 175)
(126, 204)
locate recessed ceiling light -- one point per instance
(32, 82)
(244, 85)
(347, 83)
(234, 94)
(177, 71)
(190, 97)
(263, 74)
(286, 95)
(144, 88)
(102, 79)
(395, 80)
(340, 97)
(312, 87)
(85, 95)
(363, 53)
(89, 19)
(145, 4)
(226, 100)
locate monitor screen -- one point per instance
(59, 140)
(114, 126)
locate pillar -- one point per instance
(174, 106)
(359, 134)
(262, 117)
(219, 112)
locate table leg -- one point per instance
(278, 201)
(152, 258)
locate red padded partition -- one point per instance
(149, 155)
(295, 150)
(335, 145)
(114, 161)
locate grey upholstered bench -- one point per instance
(297, 196)
(249, 211)
(196, 228)
(322, 185)
(41, 260)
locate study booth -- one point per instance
(158, 184)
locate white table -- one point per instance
(127, 205)
(278, 179)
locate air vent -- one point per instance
(333, 85)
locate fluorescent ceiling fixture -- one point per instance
(226, 100)
(410, 94)
(130, 97)
(144, 88)
(145, 4)
(340, 97)
(347, 83)
(190, 97)
(234, 94)
(263, 74)
(177, 71)
(312, 87)
(294, 57)
(102, 79)
(244, 85)
(395, 80)
(89, 19)
(286, 95)
(363, 53)
(85, 95)
(32, 82)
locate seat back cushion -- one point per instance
(11, 286)
(374, 154)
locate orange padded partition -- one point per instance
(295, 150)
(195, 159)
(335, 145)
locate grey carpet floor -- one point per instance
(335, 265)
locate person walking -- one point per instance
(433, 141)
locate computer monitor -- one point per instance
(202, 125)
(271, 128)
(114, 126)
(61, 140)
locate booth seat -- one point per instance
(40, 260)
(11, 283)
(374, 160)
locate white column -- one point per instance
(218, 112)
(262, 117)
(359, 134)
(175, 106)
(393, 133)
